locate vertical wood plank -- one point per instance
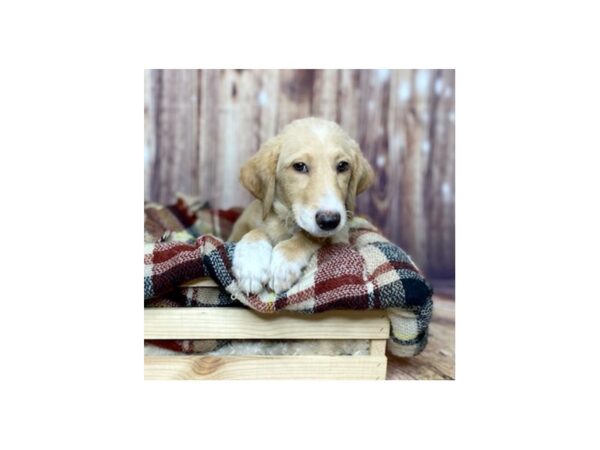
(295, 95)
(439, 183)
(399, 85)
(151, 83)
(175, 167)
(348, 101)
(447, 270)
(324, 100)
(268, 100)
(234, 133)
(373, 139)
(413, 221)
(209, 182)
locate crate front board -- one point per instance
(239, 323)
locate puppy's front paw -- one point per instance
(285, 271)
(251, 263)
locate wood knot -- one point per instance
(207, 365)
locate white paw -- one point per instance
(251, 263)
(284, 272)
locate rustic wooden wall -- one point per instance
(201, 125)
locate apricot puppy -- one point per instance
(305, 181)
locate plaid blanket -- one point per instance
(182, 243)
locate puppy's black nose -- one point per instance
(327, 220)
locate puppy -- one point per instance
(305, 181)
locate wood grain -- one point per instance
(264, 367)
(377, 347)
(239, 323)
(173, 144)
(201, 125)
(437, 362)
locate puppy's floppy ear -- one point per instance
(258, 174)
(362, 177)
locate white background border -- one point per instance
(71, 96)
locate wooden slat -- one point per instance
(200, 282)
(264, 367)
(237, 323)
(378, 347)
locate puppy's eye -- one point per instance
(343, 166)
(300, 167)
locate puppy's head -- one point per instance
(312, 170)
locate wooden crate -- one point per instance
(237, 323)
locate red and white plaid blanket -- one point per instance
(182, 243)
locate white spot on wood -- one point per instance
(263, 98)
(422, 82)
(451, 116)
(425, 147)
(446, 192)
(438, 86)
(380, 161)
(404, 92)
(383, 74)
(371, 105)
(448, 91)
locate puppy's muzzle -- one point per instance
(327, 220)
